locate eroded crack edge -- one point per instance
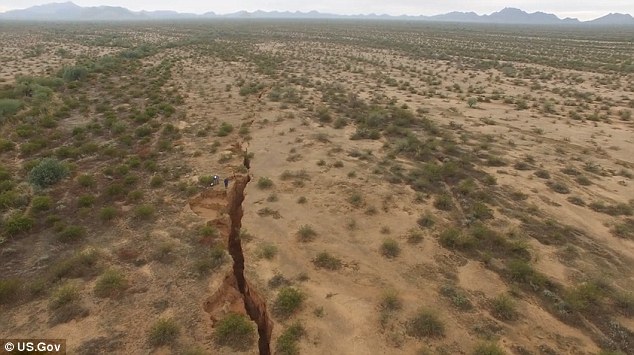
(254, 303)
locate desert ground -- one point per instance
(393, 188)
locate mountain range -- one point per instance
(69, 11)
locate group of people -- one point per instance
(216, 180)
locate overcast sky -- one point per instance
(582, 9)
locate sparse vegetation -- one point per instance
(235, 331)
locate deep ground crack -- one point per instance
(254, 303)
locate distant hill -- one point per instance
(68, 11)
(614, 19)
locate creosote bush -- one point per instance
(306, 233)
(111, 284)
(286, 344)
(326, 261)
(265, 183)
(425, 324)
(287, 302)
(390, 248)
(235, 331)
(163, 332)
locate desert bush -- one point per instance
(86, 201)
(210, 260)
(41, 203)
(80, 264)
(266, 251)
(74, 73)
(110, 284)
(390, 301)
(86, 180)
(108, 213)
(264, 183)
(390, 248)
(302, 200)
(583, 180)
(287, 302)
(326, 261)
(9, 107)
(443, 202)
(457, 298)
(235, 331)
(224, 129)
(163, 332)
(426, 220)
(156, 181)
(488, 349)
(71, 234)
(48, 172)
(425, 324)
(144, 212)
(17, 224)
(542, 174)
(454, 239)
(504, 308)
(9, 290)
(356, 199)
(559, 187)
(576, 200)
(414, 236)
(586, 297)
(63, 295)
(306, 233)
(624, 302)
(286, 344)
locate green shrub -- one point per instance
(9, 107)
(443, 202)
(267, 251)
(390, 301)
(414, 236)
(390, 248)
(356, 199)
(6, 145)
(457, 298)
(625, 303)
(306, 233)
(503, 307)
(488, 349)
(265, 183)
(163, 332)
(144, 212)
(74, 73)
(425, 324)
(108, 213)
(78, 265)
(454, 239)
(41, 203)
(48, 172)
(585, 297)
(326, 261)
(224, 129)
(9, 290)
(110, 284)
(426, 220)
(71, 234)
(17, 224)
(286, 344)
(210, 261)
(287, 302)
(64, 295)
(235, 331)
(86, 180)
(86, 201)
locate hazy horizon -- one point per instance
(581, 9)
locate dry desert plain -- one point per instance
(394, 188)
